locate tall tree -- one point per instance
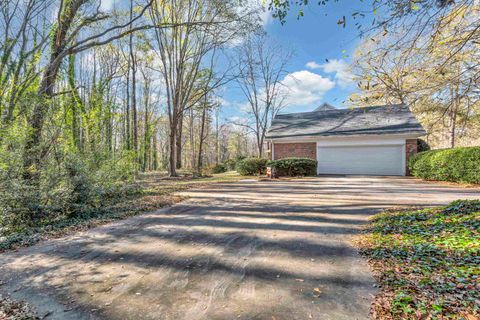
(182, 50)
(403, 68)
(261, 67)
(63, 43)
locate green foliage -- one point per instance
(230, 164)
(239, 158)
(69, 185)
(219, 168)
(428, 261)
(251, 166)
(457, 165)
(295, 166)
(422, 145)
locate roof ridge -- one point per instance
(343, 109)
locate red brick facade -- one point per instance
(410, 149)
(304, 150)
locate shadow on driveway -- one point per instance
(246, 250)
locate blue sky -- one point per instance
(314, 38)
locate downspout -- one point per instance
(273, 150)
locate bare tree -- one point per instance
(182, 50)
(261, 67)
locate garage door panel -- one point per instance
(369, 160)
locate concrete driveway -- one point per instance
(246, 250)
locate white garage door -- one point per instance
(369, 160)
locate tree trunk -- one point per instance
(134, 102)
(453, 124)
(200, 143)
(127, 107)
(32, 153)
(179, 142)
(154, 152)
(192, 139)
(217, 142)
(146, 130)
(453, 115)
(173, 153)
(75, 103)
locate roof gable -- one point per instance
(389, 119)
(325, 107)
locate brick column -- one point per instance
(410, 149)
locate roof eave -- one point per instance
(416, 133)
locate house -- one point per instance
(375, 140)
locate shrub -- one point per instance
(251, 166)
(422, 145)
(230, 164)
(239, 158)
(457, 165)
(69, 185)
(219, 168)
(295, 166)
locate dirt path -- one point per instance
(245, 250)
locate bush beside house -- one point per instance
(251, 166)
(456, 165)
(294, 166)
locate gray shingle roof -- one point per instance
(389, 119)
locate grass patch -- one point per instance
(152, 191)
(426, 262)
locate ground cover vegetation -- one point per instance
(426, 262)
(150, 191)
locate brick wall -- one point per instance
(304, 150)
(411, 149)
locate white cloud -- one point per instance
(313, 65)
(339, 67)
(223, 102)
(305, 88)
(106, 5)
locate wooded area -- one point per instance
(90, 96)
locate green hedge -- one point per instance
(251, 166)
(230, 164)
(457, 165)
(295, 166)
(219, 168)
